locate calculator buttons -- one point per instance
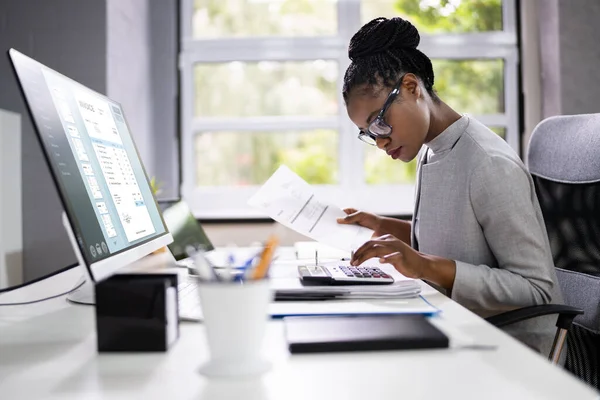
(344, 274)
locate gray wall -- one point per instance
(69, 36)
(570, 56)
(128, 69)
(164, 94)
(142, 76)
(579, 25)
(124, 48)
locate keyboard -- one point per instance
(189, 300)
(185, 263)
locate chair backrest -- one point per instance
(564, 160)
(572, 216)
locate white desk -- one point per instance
(48, 351)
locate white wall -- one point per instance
(11, 230)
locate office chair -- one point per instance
(564, 160)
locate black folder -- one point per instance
(361, 333)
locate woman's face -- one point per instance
(408, 116)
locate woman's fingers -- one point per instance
(375, 248)
(392, 258)
(368, 253)
(352, 216)
(397, 260)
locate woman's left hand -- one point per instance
(392, 250)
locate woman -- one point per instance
(477, 232)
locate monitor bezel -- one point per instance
(108, 266)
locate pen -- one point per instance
(310, 295)
(246, 268)
(205, 269)
(199, 271)
(301, 297)
(228, 273)
(231, 260)
(265, 258)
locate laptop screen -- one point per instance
(184, 228)
(94, 162)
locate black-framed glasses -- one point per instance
(378, 128)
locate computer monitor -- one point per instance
(184, 227)
(111, 215)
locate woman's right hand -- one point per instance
(362, 218)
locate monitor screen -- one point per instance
(94, 162)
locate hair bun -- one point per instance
(383, 34)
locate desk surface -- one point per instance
(48, 350)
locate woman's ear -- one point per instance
(411, 86)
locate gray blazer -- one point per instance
(476, 204)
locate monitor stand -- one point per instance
(84, 294)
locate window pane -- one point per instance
(382, 169)
(244, 89)
(500, 131)
(437, 16)
(238, 18)
(471, 86)
(250, 158)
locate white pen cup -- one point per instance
(235, 316)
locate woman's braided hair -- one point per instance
(381, 51)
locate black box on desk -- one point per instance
(137, 312)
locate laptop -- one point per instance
(186, 231)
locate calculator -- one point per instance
(343, 275)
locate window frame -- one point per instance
(230, 202)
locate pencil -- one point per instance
(265, 258)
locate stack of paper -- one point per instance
(415, 305)
(400, 289)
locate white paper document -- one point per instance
(289, 200)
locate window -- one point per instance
(261, 86)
